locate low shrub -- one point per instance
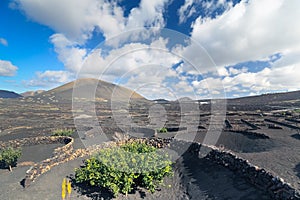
(9, 157)
(63, 132)
(163, 130)
(297, 110)
(122, 169)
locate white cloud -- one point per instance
(270, 79)
(210, 86)
(190, 7)
(234, 71)
(185, 11)
(3, 42)
(149, 13)
(68, 52)
(50, 78)
(249, 31)
(77, 19)
(134, 65)
(7, 68)
(117, 62)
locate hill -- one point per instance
(91, 88)
(31, 93)
(8, 94)
(185, 99)
(268, 98)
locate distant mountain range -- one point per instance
(89, 88)
(8, 94)
(32, 93)
(267, 98)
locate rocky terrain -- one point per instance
(264, 130)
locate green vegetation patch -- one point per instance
(63, 132)
(9, 157)
(297, 110)
(122, 169)
(162, 130)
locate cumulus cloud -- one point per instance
(186, 10)
(3, 42)
(208, 8)
(249, 31)
(69, 52)
(50, 78)
(78, 19)
(134, 65)
(269, 79)
(7, 68)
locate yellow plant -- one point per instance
(66, 187)
(69, 188)
(63, 189)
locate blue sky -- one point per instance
(160, 48)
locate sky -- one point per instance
(159, 48)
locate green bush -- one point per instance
(163, 130)
(9, 157)
(297, 110)
(63, 132)
(121, 169)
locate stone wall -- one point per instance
(35, 141)
(60, 155)
(283, 124)
(251, 134)
(275, 186)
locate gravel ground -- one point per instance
(284, 160)
(38, 153)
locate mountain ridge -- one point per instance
(32, 93)
(269, 97)
(9, 94)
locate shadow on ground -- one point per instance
(296, 136)
(297, 170)
(207, 180)
(3, 166)
(94, 193)
(239, 142)
(98, 193)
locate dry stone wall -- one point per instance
(60, 154)
(275, 186)
(35, 141)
